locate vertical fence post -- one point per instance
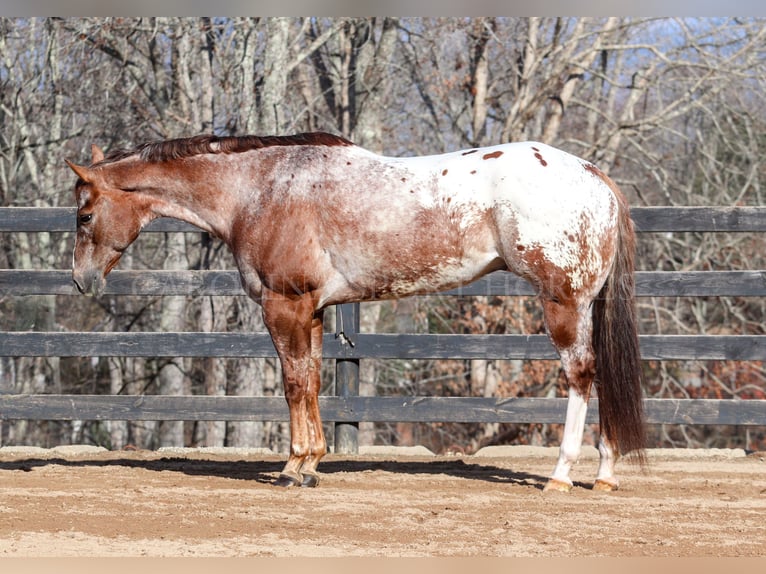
(347, 374)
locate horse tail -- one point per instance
(615, 343)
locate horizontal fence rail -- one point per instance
(646, 219)
(361, 346)
(352, 346)
(206, 283)
(364, 409)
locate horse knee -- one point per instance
(294, 393)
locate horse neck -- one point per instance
(195, 194)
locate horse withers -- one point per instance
(313, 220)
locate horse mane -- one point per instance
(186, 147)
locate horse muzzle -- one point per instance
(89, 282)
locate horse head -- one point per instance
(109, 219)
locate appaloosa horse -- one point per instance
(314, 220)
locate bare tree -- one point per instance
(33, 118)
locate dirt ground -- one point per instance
(75, 501)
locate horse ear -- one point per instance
(82, 172)
(97, 154)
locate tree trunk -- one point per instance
(276, 61)
(213, 319)
(118, 430)
(483, 30)
(172, 376)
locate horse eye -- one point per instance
(86, 217)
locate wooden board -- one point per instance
(365, 345)
(226, 283)
(360, 409)
(647, 219)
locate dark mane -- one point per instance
(186, 147)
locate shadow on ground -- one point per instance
(265, 472)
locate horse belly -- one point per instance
(389, 269)
(395, 283)
(439, 275)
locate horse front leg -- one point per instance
(290, 323)
(317, 442)
(295, 377)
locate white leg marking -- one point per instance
(577, 408)
(605, 479)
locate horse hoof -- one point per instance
(310, 480)
(554, 485)
(286, 480)
(602, 485)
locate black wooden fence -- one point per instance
(347, 408)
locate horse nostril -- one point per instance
(79, 287)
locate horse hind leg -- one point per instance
(570, 326)
(608, 454)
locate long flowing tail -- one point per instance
(615, 342)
